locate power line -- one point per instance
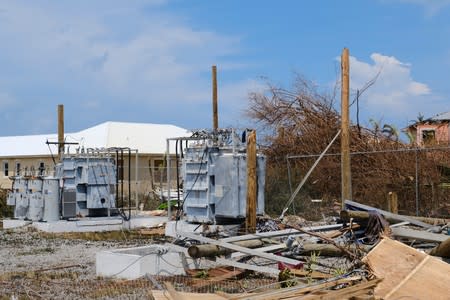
(371, 152)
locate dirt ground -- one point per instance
(36, 265)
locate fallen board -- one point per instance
(418, 235)
(407, 273)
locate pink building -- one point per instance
(432, 131)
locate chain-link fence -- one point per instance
(419, 177)
(67, 285)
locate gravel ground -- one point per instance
(35, 265)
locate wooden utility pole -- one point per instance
(214, 96)
(346, 177)
(250, 220)
(60, 131)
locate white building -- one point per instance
(32, 155)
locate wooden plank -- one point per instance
(295, 291)
(219, 278)
(173, 293)
(223, 244)
(407, 273)
(313, 274)
(346, 293)
(388, 214)
(418, 235)
(164, 295)
(250, 220)
(260, 269)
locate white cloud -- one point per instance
(111, 54)
(395, 94)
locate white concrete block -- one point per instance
(10, 223)
(132, 263)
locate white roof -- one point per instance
(146, 138)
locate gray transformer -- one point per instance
(19, 197)
(215, 184)
(88, 185)
(50, 192)
(36, 200)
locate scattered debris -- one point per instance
(354, 258)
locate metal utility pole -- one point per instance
(214, 96)
(60, 131)
(252, 190)
(346, 177)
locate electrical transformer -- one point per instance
(88, 185)
(215, 178)
(83, 185)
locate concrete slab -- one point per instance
(89, 224)
(79, 226)
(175, 228)
(132, 263)
(11, 223)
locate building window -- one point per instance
(428, 137)
(5, 169)
(159, 164)
(41, 168)
(17, 168)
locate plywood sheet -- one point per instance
(407, 272)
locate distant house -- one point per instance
(31, 155)
(432, 131)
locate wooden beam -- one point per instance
(346, 177)
(252, 189)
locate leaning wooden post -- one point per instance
(346, 193)
(250, 220)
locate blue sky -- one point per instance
(150, 61)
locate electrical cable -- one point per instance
(178, 178)
(159, 251)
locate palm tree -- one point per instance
(391, 132)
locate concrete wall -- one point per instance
(442, 134)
